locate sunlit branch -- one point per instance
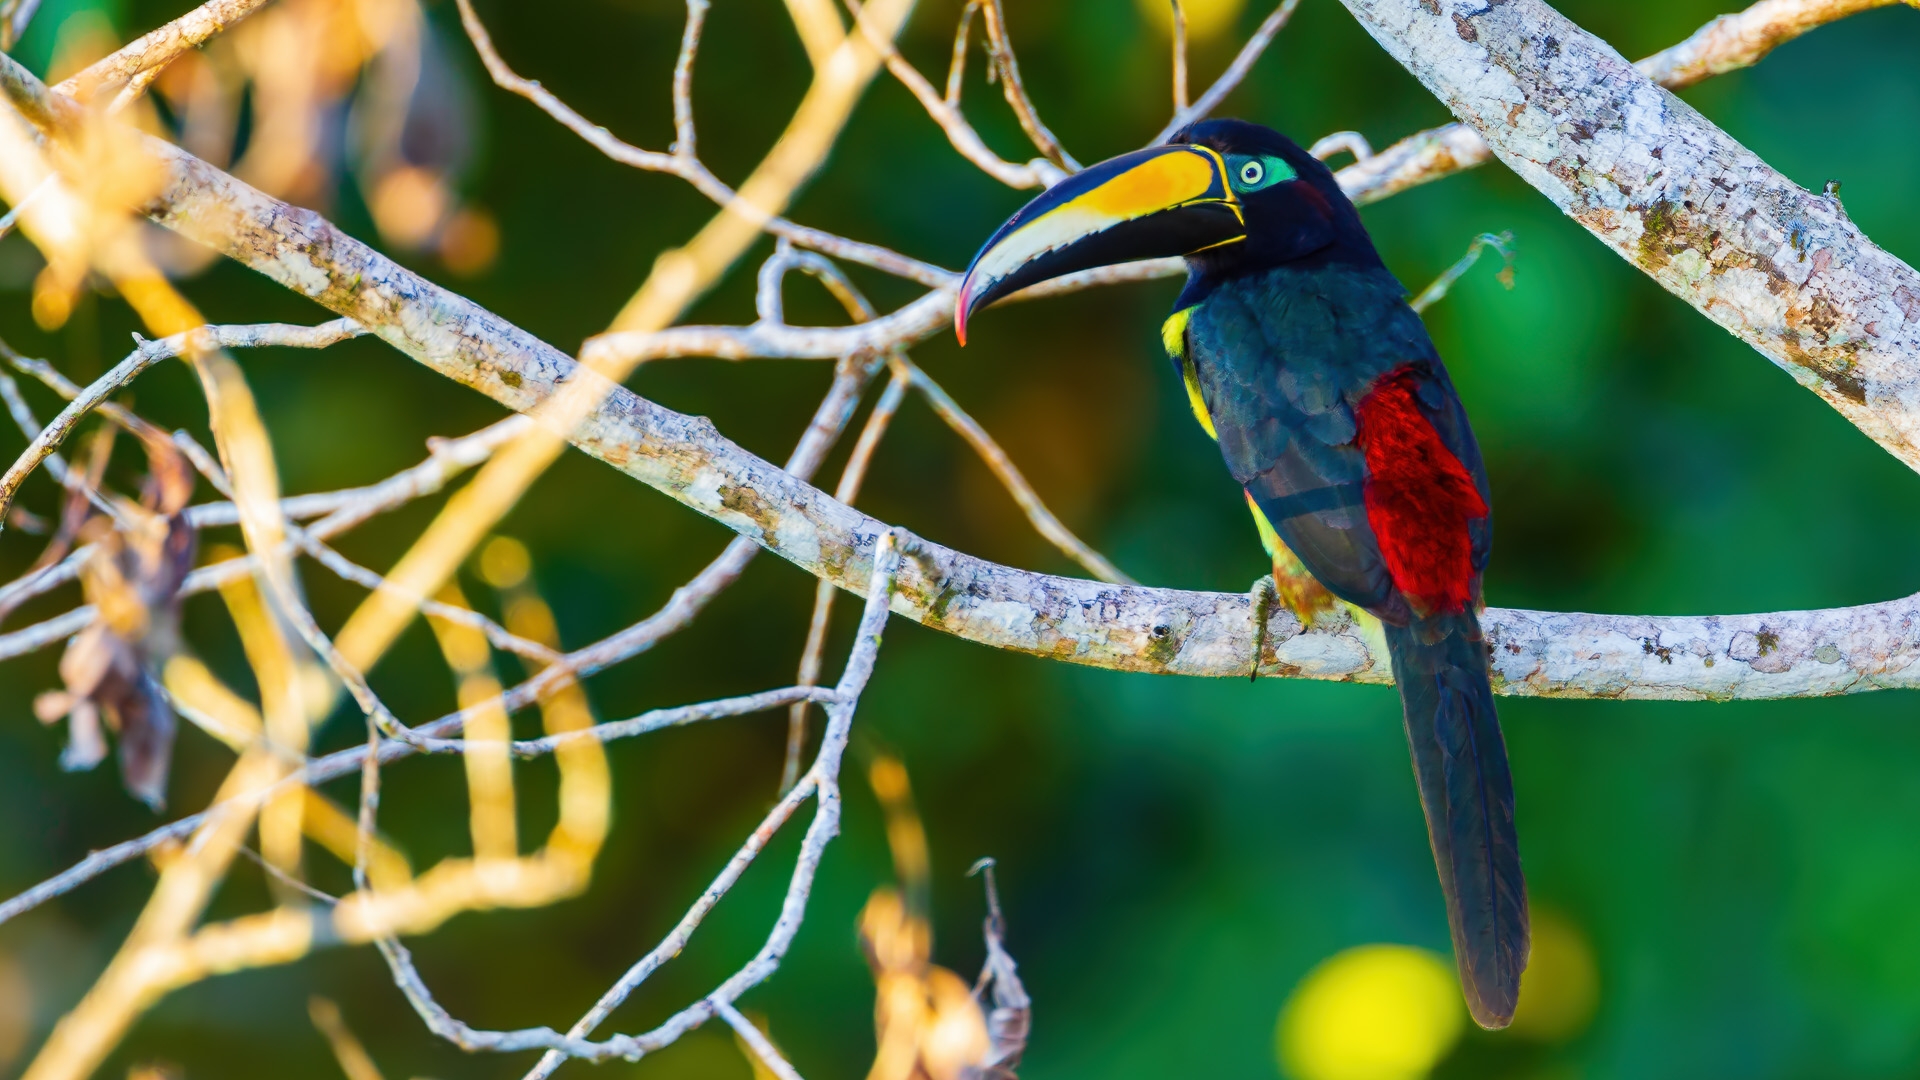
(157, 48)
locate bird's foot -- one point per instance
(1301, 592)
(1260, 597)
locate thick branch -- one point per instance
(1126, 628)
(1727, 43)
(1777, 266)
(1135, 629)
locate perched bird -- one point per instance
(1331, 407)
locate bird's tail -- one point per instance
(1460, 761)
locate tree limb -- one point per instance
(1778, 267)
(1727, 43)
(1789, 654)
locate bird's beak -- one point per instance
(1149, 204)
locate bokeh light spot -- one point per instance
(1206, 19)
(505, 562)
(1375, 1012)
(1561, 984)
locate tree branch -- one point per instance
(1775, 265)
(1726, 43)
(1133, 629)
(159, 47)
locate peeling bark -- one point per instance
(1779, 267)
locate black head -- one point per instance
(1293, 208)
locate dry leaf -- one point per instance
(112, 668)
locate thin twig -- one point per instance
(1000, 46)
(685, 165)
(60, 426)
(756, 1039)
(1348, 142)
(683, 129)
(1010, 477)
(945, 110)
(1236, 71)
(1179, 57)
(822, 779)
(1500, 242)
(957, 67)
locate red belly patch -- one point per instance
(1419, 497)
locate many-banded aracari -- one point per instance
(1335, 415)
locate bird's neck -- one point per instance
(1207, 273)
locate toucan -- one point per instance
(1302, 359)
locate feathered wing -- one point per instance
(1285, 362)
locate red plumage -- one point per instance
(1419, 497)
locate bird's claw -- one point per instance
(1260, 597)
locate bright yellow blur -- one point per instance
(1206, 19)
(1561, 984)
(1374, 1012)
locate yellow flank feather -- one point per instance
(1193, 399)
(1173, 334)
(1269, 537)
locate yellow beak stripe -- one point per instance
(1155, 184)
(1161, 182)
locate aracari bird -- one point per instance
(1331, 407)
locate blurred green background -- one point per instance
(1175, 854)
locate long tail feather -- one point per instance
(1460, 761)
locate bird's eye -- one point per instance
(1252, 173)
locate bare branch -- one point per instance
(1010, 477)
(57, 430)
(756, 1039)
(1179, 58)
(945, 110)
(1000, 47)
(683, 129)
(957, 67)
(1727, 43)
(1414, 160)
(1437, 291)
(1348, 142)
(1236, 71)
(851, 477)
(14, 17)
(1731, 42)
(158, 48)
(685, 165)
